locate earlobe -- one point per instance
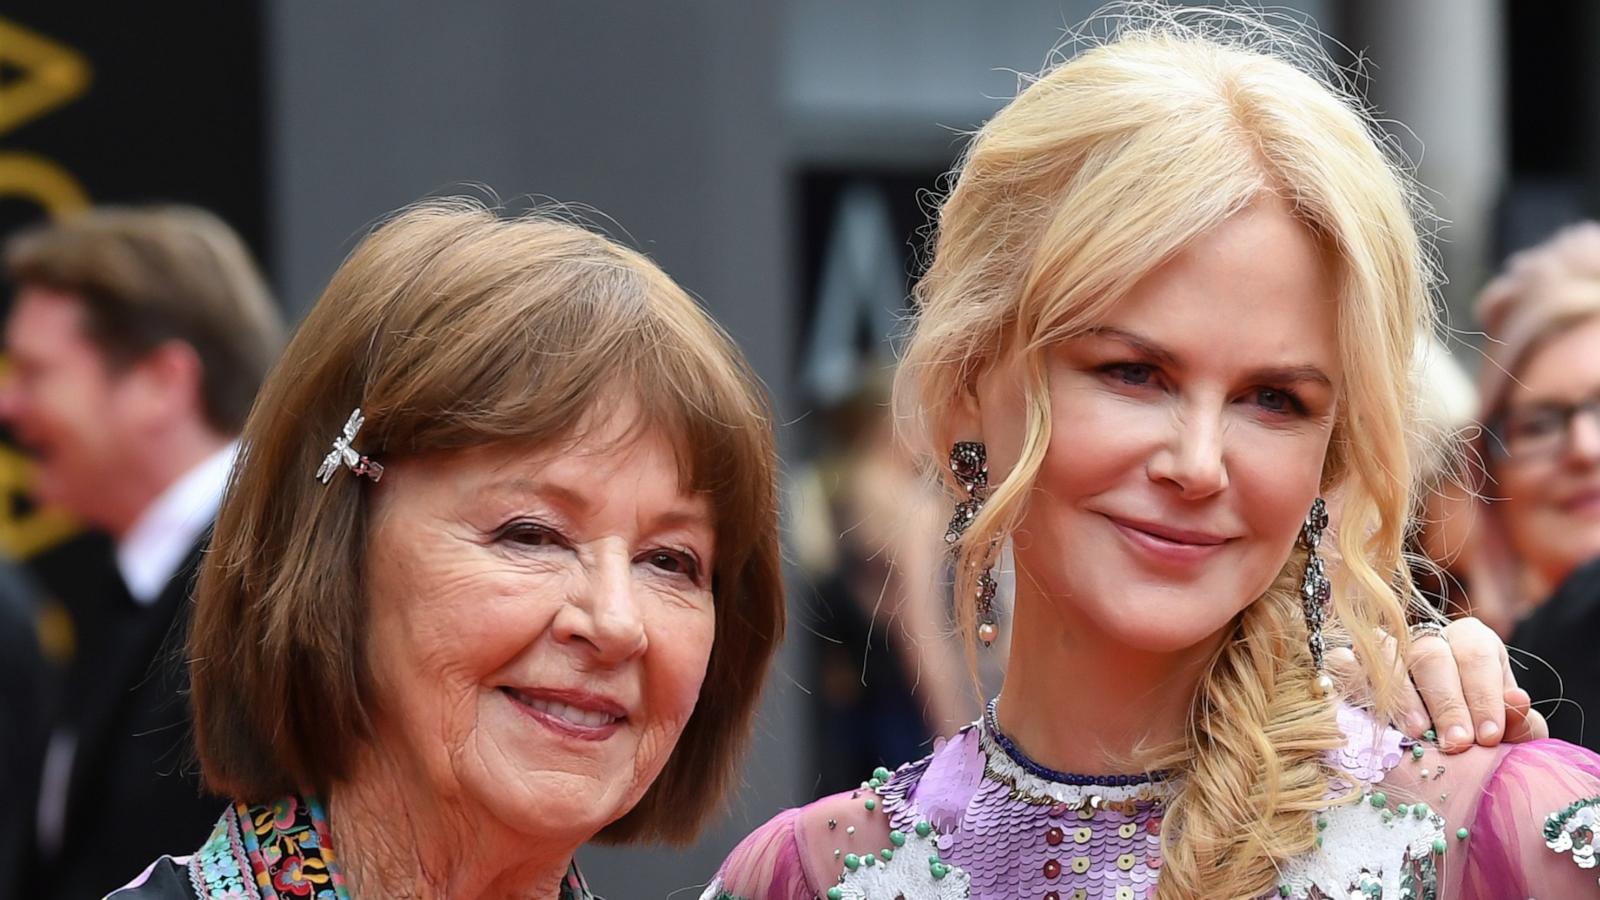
(966, 413)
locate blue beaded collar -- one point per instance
(992, 725)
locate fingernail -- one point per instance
(1419, 724)
(1458, 734)
(1487, 731)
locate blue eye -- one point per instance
(1131, 373)
(1278, 401)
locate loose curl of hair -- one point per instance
(1101, 169)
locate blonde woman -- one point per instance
(1173, 301)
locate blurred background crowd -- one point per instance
(775, 158)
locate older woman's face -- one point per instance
(1551, 481)
(1188, 437)
(540, 625)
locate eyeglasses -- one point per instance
(1540, 431)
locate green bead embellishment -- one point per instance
(897, 838)
(1401, 810)
(1387, 817)
(871, 804)
(938, 870)
(880, 773)
(1322, 823)
(874, 784)
(852, 861)
(835, 893)
(1420, 811)
(1283, 890)
(1416, 752)
(869, 860)
(1430, 736)
(924, 829)
(1379, 800)
(1438, 845)
(1461, 833)
(886, 854)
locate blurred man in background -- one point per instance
(136, 341)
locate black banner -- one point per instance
(120, 103)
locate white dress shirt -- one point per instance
(159, 541)
(147, 557)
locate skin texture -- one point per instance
(105, 441)
(1169, 415)
(1551, 506)
(580, 568)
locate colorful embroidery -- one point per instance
(281, 851)
(1572, 830)
(271, 852)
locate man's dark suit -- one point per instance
(134, 792)
(1564, 633)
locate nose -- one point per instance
(606, 618)
(1192, 457)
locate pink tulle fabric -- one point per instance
(1508, 856)
(768, 863)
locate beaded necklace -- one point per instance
(991, 724)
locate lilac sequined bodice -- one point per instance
(1015, 834)
(977, 820)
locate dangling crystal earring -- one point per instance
(1315, 590)
(969, 462)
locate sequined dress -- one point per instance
(978, 820)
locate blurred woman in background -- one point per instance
(1537, 567)
(1540, 392)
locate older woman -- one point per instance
(498, 574)
(1173, 302)
(1541, 450)
(1539, 569)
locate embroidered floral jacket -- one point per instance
(276, 852)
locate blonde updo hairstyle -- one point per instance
(1100, 170)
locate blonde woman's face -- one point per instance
(540, 625)
(1551, 481)
(1189, 433)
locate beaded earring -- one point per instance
(969, 462)
(1316, 590)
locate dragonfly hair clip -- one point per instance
(347, 456)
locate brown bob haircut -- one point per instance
(452, 327)
(148, 275)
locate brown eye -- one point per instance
(675, 563)
(529, 534)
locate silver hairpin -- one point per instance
(344, 454)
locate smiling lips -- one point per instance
(573, 713)
(1173, 546)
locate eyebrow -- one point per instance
(584, 504)
(1298, 374)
